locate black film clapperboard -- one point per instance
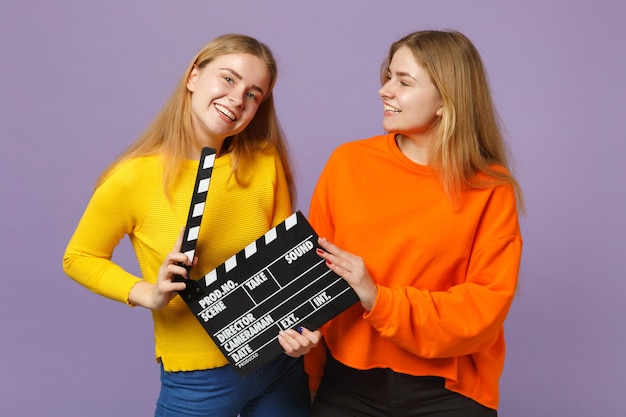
(275, 283)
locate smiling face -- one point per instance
(225, 95)
(412, 102)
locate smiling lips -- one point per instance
(225, 112)
(390, 109)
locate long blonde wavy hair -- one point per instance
(171, 134)
(468, 139)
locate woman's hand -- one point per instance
(352, 269)
(165, 289)
(157, 296)
(297, 343)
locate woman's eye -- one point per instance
(252, 96)
(228, 80)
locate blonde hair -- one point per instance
(171, 134)
(468, 139)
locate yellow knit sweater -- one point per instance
(132, 202)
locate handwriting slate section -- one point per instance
(276, 283)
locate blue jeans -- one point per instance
(277, 389)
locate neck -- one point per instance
(417, 149)
(196, 149)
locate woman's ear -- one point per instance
(191, 80)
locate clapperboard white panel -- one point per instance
(275, 283)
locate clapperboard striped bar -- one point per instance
(275, 283)
(194, 219)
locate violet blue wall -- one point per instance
(80, 79)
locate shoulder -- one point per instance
(128, 186)
(268, 152)
(495, 193)
(135, 172)
(497, 179)
(359, 147)
(267, 157)
(262, 163)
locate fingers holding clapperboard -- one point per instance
(298, 342)
(173, 265)
(351, 268)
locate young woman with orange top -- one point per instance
(422, 222)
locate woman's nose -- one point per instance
(385, 91)
(236, 97)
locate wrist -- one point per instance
(369, 301)
(143, 294)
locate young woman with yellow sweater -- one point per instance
(422, 223)
(224, 101)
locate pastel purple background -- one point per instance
(79, 80)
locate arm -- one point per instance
(117, 208)
(469, 316)
(108, 217)
(454, 321)
(463, 320)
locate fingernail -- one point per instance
(299, 329)
(328, 262)
(319, 251)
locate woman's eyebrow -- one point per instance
(405, 74)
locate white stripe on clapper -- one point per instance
(208, 161)
(203, 185)
(270, 235)
(210, 278)
(291, 221)
(193, 233)
(250, 249)
(198, 210)
(230, 263)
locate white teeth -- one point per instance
(391, 109)
(226, 112)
